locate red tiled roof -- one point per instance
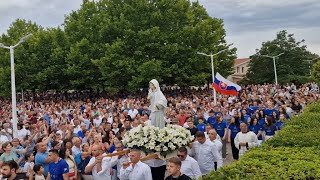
(240, 61)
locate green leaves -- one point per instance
(316, 70)
(119, 46)
(291, 66)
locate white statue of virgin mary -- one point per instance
(158, 104)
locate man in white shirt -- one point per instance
(189, 166)
(135, 169)
(206, 153)
(215, 139)
(120, 159)
(97, 121)
(76, 148)
(99, 165)
(245, 139)
(22, 132)
(133, 112)
(217, 142)
(76, 127)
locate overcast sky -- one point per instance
(248, 22)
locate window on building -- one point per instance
(237, 69)
(242, 69)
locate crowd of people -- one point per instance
(77, 136)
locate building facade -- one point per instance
(240, 67)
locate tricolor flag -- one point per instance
(225, 86)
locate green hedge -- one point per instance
(293, 153)
(302, 131)
(273, 163)
(313, 108)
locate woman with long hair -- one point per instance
(261, 120)
(66, 154)
(256, 128)
(275, 116)
(233, 130)
(269, 128)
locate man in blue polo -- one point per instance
(58, 167)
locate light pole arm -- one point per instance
(278, 55)
(22, 40)
(3, 46)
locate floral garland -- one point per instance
(151, 139)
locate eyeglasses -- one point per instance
(181, 156)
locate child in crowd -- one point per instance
(29, 164)
(38, 170)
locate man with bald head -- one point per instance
(217, 143)
(99, 165)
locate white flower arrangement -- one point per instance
(151, 139)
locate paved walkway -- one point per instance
(229, 159)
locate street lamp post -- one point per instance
(13, 84)
(310, 64)
(274, 65)
(212, 70)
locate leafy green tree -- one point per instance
(160, 39)
(316, 70)
(118, 45)
(24, 68)
(291, 66)
(50, 48)
(83, 30)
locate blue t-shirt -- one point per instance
(217, 113)
(211, 120)
(80, 134)
(234, 130)
(57, 170)
(256, 128)
(246, 117)
(40, 159)
(261, 122)
(201, 127)
(220, 128)
(252, 109)
(270, 130)
(268, 112)
(82, 108)
(82, 163)
(47, 118)
(111, 150)
(279, 125)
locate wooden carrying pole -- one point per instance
(146, 158)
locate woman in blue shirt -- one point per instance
(261, 120)
(282, 110)
(269, 128)
(221, 129)
(256, 128)
(275, 116)
(233, 130)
